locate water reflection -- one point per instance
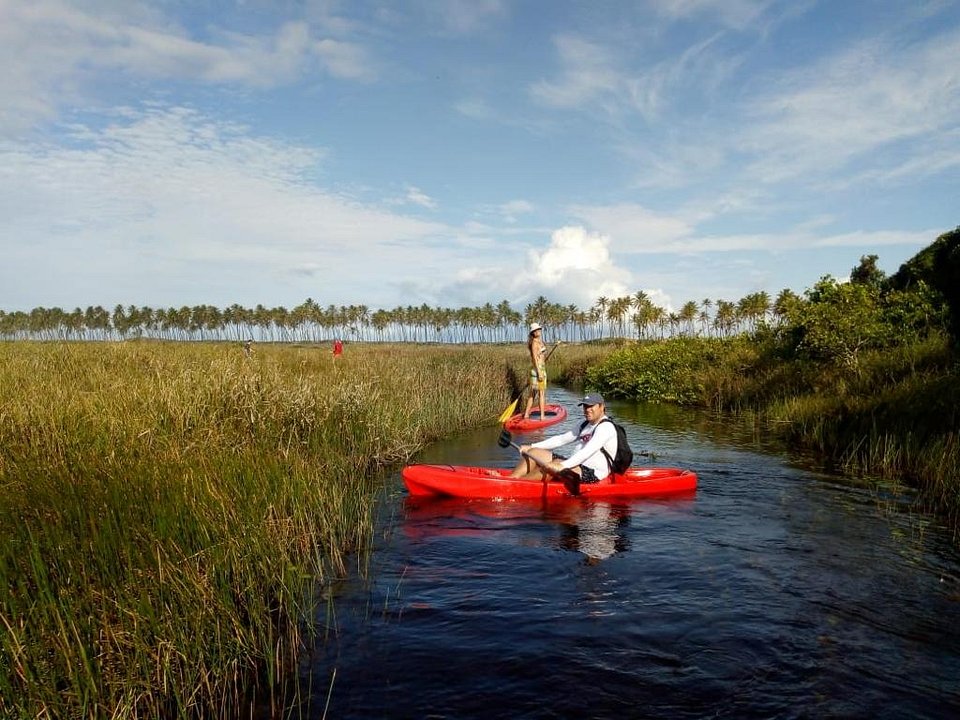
(596, 529)
(598, 532)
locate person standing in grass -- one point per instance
(538, 370)
(337, 348)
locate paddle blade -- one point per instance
(504, 439)
(506, 414)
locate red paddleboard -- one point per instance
(553, 414)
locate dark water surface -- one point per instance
(772, 592)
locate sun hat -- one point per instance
(535, 326)
(591, 399)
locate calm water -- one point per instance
(772, 592)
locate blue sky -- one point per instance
(457, 152)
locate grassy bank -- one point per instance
(894, 415)
(167, 511)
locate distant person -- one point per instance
(587, 459)
(248, 348)
(538, 371)
(337, 348)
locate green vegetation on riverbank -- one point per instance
(168, 511)
(865, 373)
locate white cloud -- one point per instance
(578, 263)
(574, 267)
(595, 76)
(511, 210)
(868, 98)
(463, 17)
(345, 60)
(874, 239)
(516, 207)
(476, 108)
(51, 51)
(636, 228)
(171, 187)
(733, 13)
(587, 75)
(417, 197)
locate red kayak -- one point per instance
(496, 484)
(552, 414)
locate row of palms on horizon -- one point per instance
(935, 267)
(631, 316)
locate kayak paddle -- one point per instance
(508, 413)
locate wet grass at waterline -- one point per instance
(167, 511)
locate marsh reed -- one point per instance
(168, 511)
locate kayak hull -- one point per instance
(496, 484)
(552, 415)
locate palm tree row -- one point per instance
(631, 316)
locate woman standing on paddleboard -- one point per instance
(538, 370)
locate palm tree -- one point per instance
(787, 301)
(725, 317)
(601, 308)
(688, 313)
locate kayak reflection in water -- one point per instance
(596, 530)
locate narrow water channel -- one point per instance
(772, 592)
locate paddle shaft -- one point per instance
(550, 352)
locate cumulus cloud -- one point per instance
(579, 263)
(574, 267)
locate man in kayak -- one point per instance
(587, 460)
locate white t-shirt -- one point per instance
(587, 451)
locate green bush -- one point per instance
(666, 371)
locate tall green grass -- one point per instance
(168, 511)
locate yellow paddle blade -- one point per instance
(506, 414)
